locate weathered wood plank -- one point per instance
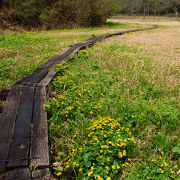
(19, 174)
(58, 58)
(39, 73)
(19, 149)
(7, 123)
(39, 152)
(4, 94)
(36, 79)
(48, 78)
(43, 174)
(69, 51)
(50, 75)
(27, 79)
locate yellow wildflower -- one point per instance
(108, 159)
(124, 152)
(90, 173)
(59, 173)
(67, 167)
(120, 154)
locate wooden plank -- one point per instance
(48, 78)
(19, 174)
(30, 77)
(58, 58)
(65, 50)
(7, 123)
(45, 66)
(36, 79)
(43, 174)
(71, 48)
(3, 95)
(39, 152)
(19, 149)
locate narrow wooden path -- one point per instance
(23, 126)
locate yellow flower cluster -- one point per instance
(107, 139)
(158, 168)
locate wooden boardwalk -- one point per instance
(23, 125)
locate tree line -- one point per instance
(150, 7)
(54, 14)
(57, 13)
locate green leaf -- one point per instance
(85, 158)
(88, 164)
(62, 154)
(176, 149)
(59, 168)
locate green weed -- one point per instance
(92, 97)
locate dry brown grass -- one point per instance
(166, 21)
(161, 45)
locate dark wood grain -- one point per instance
(58, 58)
(7, 123)
(41, 72)
(50, 75)
(19, 149)
(43, 174)
(27, 79)
(3, 95)
(39, 77)
(39, 152)
(48, 78)
(19, 174)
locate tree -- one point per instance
(58, 13)
(176, 7)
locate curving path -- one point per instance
(23, 125)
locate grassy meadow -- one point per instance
(115, 110)
(22, 53)
(116, 113)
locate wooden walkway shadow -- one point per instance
(23, 126)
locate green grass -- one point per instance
(121, 83)
(115, 110)
(22, 53)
